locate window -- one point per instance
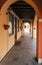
(11, 23)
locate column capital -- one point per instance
(40, 20)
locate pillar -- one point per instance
(32, 29)
(39, 52)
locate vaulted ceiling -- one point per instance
(23, 10)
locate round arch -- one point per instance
(9, 2)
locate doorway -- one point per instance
(26, 28)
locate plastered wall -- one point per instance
(6, 41)
(19, 35)
(3, 36)
(11, 41)
(35, 26)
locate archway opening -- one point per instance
(26, 14)
(3, 10)
(26, 28)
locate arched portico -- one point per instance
(8, 3)
(4, 16)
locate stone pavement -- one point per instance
(22, 53)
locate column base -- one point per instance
(40, 60)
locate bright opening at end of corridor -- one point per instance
(26, 28)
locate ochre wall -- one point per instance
(35, 27)
(19, 34)
(11, 41)
(3, 35)
(6, 41)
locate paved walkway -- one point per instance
(23, 53)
